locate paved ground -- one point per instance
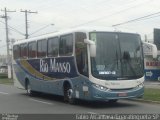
(152, 84)
(13, 100)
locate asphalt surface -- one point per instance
(14, 100)
(152, 84)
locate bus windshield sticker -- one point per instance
(93, 37)
(107, 72)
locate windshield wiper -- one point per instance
(132, 69)
(127, 59)
(117, 58)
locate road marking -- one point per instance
(41, 101)
(4, 93)
(91, 113)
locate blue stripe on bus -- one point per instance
(49, 68)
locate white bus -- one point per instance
(97, 64)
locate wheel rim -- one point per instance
(28, 89)
(69, 93)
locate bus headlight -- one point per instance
(100, 87)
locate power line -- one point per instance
(3, 46)
(41, 29)
(15, 30)
(119, 12)
(137, 19)
(10, 27)
(149, 17)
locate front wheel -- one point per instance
(28, 88)
(68, 94)
(113, 101)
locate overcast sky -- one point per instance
(73, 13)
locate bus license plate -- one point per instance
(122, 94)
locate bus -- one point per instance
(88, 63)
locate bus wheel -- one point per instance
(28, 88)
(68, 94)
(113, 101)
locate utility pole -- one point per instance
(26, 21)
(7, 42)
(6, 25)
(145, 37)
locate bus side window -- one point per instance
(42, 48)
(53, 47)
(66, 45)
(23, 51)
(81, 53)
(32, 49)
(16, 52)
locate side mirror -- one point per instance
(92, 47)
(150, 49)
(93, 50)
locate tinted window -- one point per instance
(16, 51)
(131, 54)
(42, 48)
(32, 47)
(66, 45)
(118, 56)
(53, 46)
(24, 51)
(81, 53)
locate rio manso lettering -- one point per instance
(54, 66)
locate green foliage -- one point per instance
(7, 81)
(3, 76)
(151, 94)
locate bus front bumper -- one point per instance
(98, 94)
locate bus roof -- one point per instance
(72, 30)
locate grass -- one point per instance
(3, 75)
(4, 80)
(152, 94)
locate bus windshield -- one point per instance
(118, 56)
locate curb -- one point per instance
(146, 101)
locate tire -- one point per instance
(113, 101)
(28, 88)
(68, 94)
